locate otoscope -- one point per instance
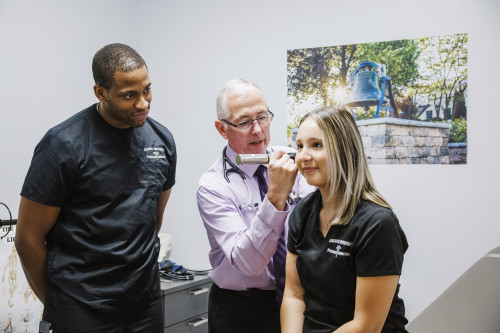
(256, 158)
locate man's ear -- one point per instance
(99, 92)
(222, 128)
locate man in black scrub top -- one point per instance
(92, 205)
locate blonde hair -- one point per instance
(347, 169)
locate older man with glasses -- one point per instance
(244, 209)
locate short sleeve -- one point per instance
(173, 166)
(298, 219)
(51, 174)
(380, 246)
(293, 229)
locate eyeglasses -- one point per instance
(248, 124)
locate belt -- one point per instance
(249, 292)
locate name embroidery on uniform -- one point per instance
(338, 249)
(155, 152)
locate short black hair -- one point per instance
(112, 58)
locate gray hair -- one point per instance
(236, 87)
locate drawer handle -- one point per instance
(199, 291)
(198, 322)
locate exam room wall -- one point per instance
(46, 49)
(448, 212)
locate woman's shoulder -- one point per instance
(304, 207)
(309, 201)
(370, 212)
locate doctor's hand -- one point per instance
(282, 172)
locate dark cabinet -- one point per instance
(185, 305)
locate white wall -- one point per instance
(192, 47)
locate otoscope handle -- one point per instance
(257, 158)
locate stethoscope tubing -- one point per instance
(237, 170)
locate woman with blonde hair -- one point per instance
(345, 244)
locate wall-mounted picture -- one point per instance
(409, 97)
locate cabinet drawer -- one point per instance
(197, 324)
(185, 304)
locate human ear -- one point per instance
(99, 92)
(222, 128)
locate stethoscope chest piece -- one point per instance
(293, 197)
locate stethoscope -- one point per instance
(292, 197)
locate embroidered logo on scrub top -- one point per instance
(339, 251)
(155, 152)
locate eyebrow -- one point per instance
(246, 117)
(311, 139)
(126, 92)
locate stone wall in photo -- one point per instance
(458, 153)
(400, 141)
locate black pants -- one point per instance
(67, 315)
(252, 311)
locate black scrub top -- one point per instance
(371, 244)
(103, 248)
